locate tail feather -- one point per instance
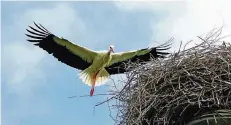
(87, 77)
(102, 77)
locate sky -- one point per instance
(35, 86)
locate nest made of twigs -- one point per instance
(172, 91)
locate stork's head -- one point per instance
(111, 48)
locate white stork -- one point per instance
(96, 66)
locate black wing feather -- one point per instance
(35, 33)
(119, 67)
(40, 28)
(44, 39)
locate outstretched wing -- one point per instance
(118, 61)
(73, 55)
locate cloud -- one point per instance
(183, 20)
(60, 19)
(22, 60)
(186, 19)
(23, 63)
(153, 5)
(21, 66)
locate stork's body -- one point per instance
(96, 74)
(96, 66)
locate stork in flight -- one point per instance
(95, 66)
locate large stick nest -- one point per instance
(172, 91)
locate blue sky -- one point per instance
(35, 86)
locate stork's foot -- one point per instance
(92, 92)
(93, 84)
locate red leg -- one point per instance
(93, 84)
(92, 91)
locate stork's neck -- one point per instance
(109, 52)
